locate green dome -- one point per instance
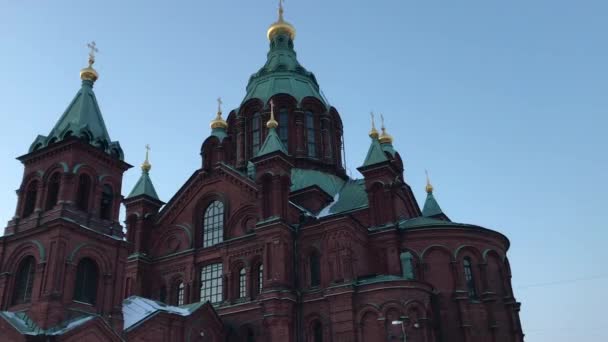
(283, 74)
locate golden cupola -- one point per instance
(281, 26)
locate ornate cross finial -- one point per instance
(281, 10)
(272, 123)
(382, 120)
(373, 133)
(94, 49)
(429, 187)
(146, 166)
(219, 104)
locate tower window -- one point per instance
(468, 277)
(85, 289)
(213, 224)
(317, 331)
(24, 281)
(260, 278)
(315, 269)
(162, 296)
(211, 283)
(310, 135)
(242, 283)
(179, 293)
(256, 133)
(284, 126)
(52, 191)
(84, 189)
(30, 199)
(107, 197)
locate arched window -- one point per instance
(82, 195)
(213, 224)
(317, 331)
(256, 134)
(24, 281)
(162, 296)
(242, 283)
(178, 292)
(260, 278)
(30, 199)
(107, 197)
(211, 283)
(310, 135)
(284, 126)
(85, 289)
(468, 277)
(315, 269)
(407, 266)
(52, 191)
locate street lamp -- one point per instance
(402, 323)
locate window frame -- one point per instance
(213, 226)
(311, 134)
(213, 285)
(23, 294)
(469, 278)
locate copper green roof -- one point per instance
(82, 119)
(431, 207)
(272, 143)
(144, 187)
(375, 154)
(220, 133)
(303, 178)
(282, 73)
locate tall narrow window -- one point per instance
(468, 276)
(84, 189)
(260, 278)
(85, 289)
(317, 332)
(211, 283)
(256, 133)
(52, 191)
(179, 294)
(407, 266)
(315, 270)
(30, 199)
(24, 281)
(284, 126)
(107, 197)
(242, 283)
(213, 224)
(310, 135)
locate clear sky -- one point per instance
(505, 102)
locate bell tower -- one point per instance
(62, 254)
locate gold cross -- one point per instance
(94, 49)
(147, 151)
(219, 104)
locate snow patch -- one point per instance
(135, 309)
(326, 211)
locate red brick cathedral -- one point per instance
(269, 240)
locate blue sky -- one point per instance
(503, 101)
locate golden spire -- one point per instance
(385, 138)
(146, 166)
(88, 73)
(373, 133)
(281, 26)
(219, 122)
(429, 187)
(272, 123)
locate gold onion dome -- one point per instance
(219, 122)
(272, 123)
(384, 138)
(281, 26)
(88, 73)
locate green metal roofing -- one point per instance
(220, 133)
(26, 326)
(431, 207)
(81, 119)
(272, 144)
(375, 154)
(282, 73)
(388, 147)
(144, 186)
(303, 178)
(351, 196)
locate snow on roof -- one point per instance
(26, 326)
(136, 309)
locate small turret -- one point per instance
(431, 207)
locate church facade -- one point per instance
(269, 240)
